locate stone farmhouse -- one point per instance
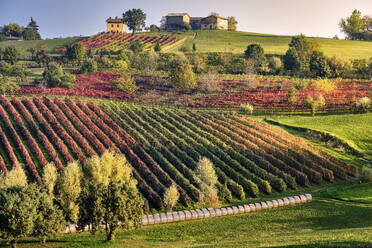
(115, 25)
(175, 21)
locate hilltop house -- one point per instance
(115, 25)
(175, 21)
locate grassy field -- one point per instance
(333, 219)
(52, 44)
(237, 42)
(355, 129)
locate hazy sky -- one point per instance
(86, 17)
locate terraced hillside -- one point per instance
(163, 146)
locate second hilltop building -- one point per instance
(176, 21)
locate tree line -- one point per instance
(30, 32)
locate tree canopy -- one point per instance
(135, 19)
(357, 27)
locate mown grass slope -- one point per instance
(237, 42)
(355, 129)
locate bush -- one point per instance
(361, 68)
(314, 103)
(362, 106)
(256, 53)
(339, 67)
(365, 175)
(7, 85)
(246, 108)
(209, 83)
(318, 65)
(55, 77)
(125, 83)
(182, 75)
(157, 47)
(275, 64)
(185, 49)
(291, 60)
(88, 66)
(146, 62)
(214, 59)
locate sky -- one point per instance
(66, 18)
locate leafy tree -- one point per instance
(15, 178)
(76, 52)
(207, 179)
(319, 65)
(198, 61)
(146, 62)
(137, 46)
(304, 47)
(291, 60)
(17, 213)
(68, 190)
(135, 19)
(12, 29)
(256, 53)
(125, 83)
(7, 85)
(110, 195)
(157, 47)
(363, 105)
(353, 26)
(163, 23)
(181, 75)
(171, 197)
(32, 25)
(88, 66)
(231, 23)
(11, 54)
(154, 28)
(50, 178)
(314, 103)
(55, 77)
(119, 66)
(49, 219)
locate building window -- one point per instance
(118, 25)
(112, 25)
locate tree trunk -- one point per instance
(13, 243)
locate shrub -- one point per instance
(324, 84)
(362, 105)
(55, 77)
(182, 75)
(209, 83)
(214, 59)
(339, 67)
(88, 66)
(275, 64)
(365, 175)
(157, 47)
(314, 103)
(185, 49)
(171, 197)
(125, 83)
(256, 53)
(146, 62)
(318, 65)
(246, 108)
(361, 68)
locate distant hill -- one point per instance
(230, 41)
(237, 42)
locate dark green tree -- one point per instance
(154, 28)
(55, 77)
(304, 47)
(76, 52)
(157, 47)
(291, 60)
(135, 19)
(11, 54)
(88, 66)
(256, 53)
(319, 65)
